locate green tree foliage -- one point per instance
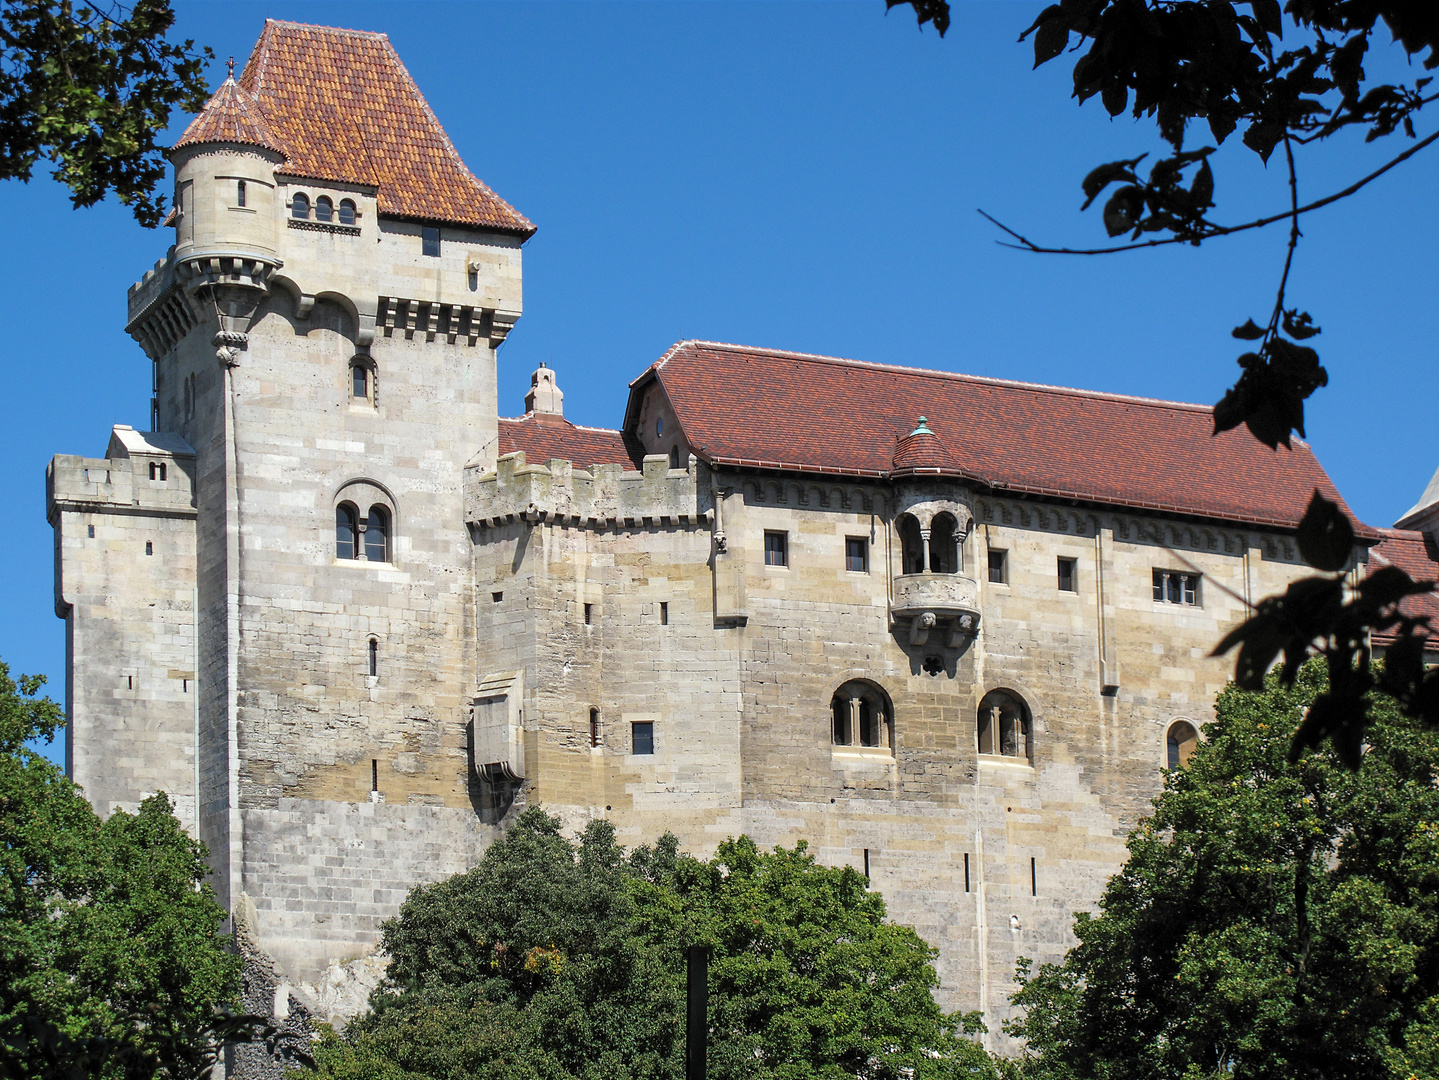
(1226, 68)
(1275, 919)
(89, 86)
(554, 959)
(110, 966)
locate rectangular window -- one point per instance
(149, 548)
(92, 531)
(496, 597)
(776, 549)
(856, 554)
(642, 737)
(1176, 587)
(664, 613)
(1066, 576)
(594, 727)
(998, 566)
(240, 193)
(589, 614)
(431, 241)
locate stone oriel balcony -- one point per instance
(931, 601)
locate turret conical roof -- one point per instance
(230, 116)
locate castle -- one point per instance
(948, 630)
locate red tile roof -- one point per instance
(543, 436)
(340, 106)
(921, 452)
(763, 408)
(230, 116)
(1419, 558)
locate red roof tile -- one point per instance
(764, 408)
(921, 451)
(1416, 556)
(230, 116)
(341, 107)
(543, 436)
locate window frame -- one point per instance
(325, 209)
(1166, 584)
(1067, 567)
(297, 200)
(386, 543)
(352, 513)
(348, 208)
(862, 543)
(847, 733)
(779, 549)
(430, 241)
(1002, 568)
(648, 727)
(997, 697)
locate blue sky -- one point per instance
(789, 174)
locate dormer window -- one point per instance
(324, 208)
(300, 206)
(240, 193)
(347, 211)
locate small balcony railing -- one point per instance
(931, 602)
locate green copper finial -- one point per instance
(923, 428)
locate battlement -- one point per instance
(146, 472)
(608, 495)
(155, 283)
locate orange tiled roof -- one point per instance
(231, 115)
(543, 436)
(763, 408)
(340, 106)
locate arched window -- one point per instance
(861, 715)
(943, 545)
(324, 208)
(347, 532)
(377, 535)
(374, 657)
(362, 383)
(240, 193)
(674, 457)
(347, 211)
(911, 545)
(1004, 726)
(1180, 743)
(300, 206)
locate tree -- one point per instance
(1274, 918)
(1185, 62)
(110, 965)
(554, 959)
(89, 86)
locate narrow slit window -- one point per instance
(776, 549)
(374, 657)
(1067, 576)
(674, 457)
(642, 737)
(360, 382)
(966, 871)
(149, 547)
(594, 727)
(91, 531)
(1033, 877)
(374, 774)
(664, 613)
(866, 864)
(240, 193)
(589, 614)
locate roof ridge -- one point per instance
(329, 29)
(1134, 399)
(578, 427)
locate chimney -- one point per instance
(544, 398)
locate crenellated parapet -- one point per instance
(608, 495)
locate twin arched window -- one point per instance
(936, 554)
(1005, 727)
(861, 715)
(365, 538)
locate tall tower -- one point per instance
(323, 335)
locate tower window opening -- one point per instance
(594, 727)
(1180, 742)
(347, 532)
(149, 547)
(377, 535)
(91, 532)
(998, 566)
(496, 597)
(866, 864)
(300, 206)
(374, 774)
(362, 383)
(347, 211)
(966, 871)
(1033, 876)
(324, 208)
(861, 715)
(589, 614)
(374, 657)
(664, 613)
(1004, 726)
(240, 193)
(430, 242)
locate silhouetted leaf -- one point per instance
(1263, 136)
(1338, 717)
(1299, 325)
(926, 11)
(1389, 585)
(1325, 537)
(1202, 190)
(1268, 15)
(1115, 96)
(1109, 173)
(1051, 39)
(1122, 211)
(1248, 332)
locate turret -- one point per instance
(544, 398)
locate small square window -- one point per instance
(856, 554)
(431, 241)
(497, 596)
(642, 736)
(998, 566)
(776, 549)
(1066, 576)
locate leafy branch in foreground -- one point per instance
(1178, 61)
(90, 87)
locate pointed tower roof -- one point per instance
(230, 116)
(1425, 509)
(921, 452)
(343, 108)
